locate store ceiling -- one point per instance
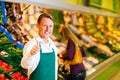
(60, 5)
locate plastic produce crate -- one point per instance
(11, 58)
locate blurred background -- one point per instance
(96, 24)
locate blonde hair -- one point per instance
(69, 34)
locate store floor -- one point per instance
(111, 73)
(115, 76)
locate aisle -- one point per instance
(115, 76)
(111, 73)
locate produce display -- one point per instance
(103, 30)
(10, 56)
(97, 34)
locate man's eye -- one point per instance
(51, 26)
(44, 25)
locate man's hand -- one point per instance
(35, 48)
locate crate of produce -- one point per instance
(4, 69)
(4, 76)
(8, 72)
(10, 57)
(18, 74)
(4, 40)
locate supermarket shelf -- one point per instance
(60, 5)
(102, 67)
(11, 38)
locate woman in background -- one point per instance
(78, 71)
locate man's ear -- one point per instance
(37, 25)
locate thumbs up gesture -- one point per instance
(35, 48)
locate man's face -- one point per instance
(45, 28)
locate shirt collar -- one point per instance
(40, 39)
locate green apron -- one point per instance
(46, 67)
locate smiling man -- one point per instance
(39, 54)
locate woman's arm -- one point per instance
(82, 51)
(69, 50)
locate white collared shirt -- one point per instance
(29, 61)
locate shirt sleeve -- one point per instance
(25, 61)
(82, 51)
(69, 50)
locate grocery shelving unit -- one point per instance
(61, 5)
